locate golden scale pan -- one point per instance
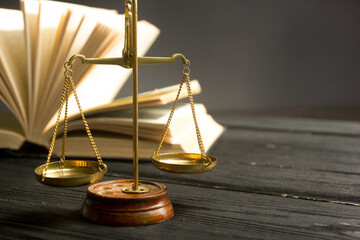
(81, 172)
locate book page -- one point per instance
(76, 33)
(13, 64)
(11, 133)
(99, 43)
(154, 97)
(111, 146)
(8, 100)
(210, 131)
(50, 21)
(52, 28)
(79, 28)
(30, 15)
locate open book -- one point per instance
(34, 44)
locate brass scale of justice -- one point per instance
(123, 202)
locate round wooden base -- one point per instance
(107, 204)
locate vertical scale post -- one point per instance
(135, 98)
(132, 57)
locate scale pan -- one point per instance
(184, 162)
(71, 173)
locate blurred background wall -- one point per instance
(254, 54)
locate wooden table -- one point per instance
(277, 178)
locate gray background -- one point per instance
(251, 54)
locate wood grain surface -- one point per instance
(277, 178)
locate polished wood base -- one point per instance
(107, 204)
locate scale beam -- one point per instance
(123, 62)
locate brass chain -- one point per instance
(64, 99)
(170, 117)
(93, 145)
(51, 149)
(186, 79)
(198, 135)
(63, 149)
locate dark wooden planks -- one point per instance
(325, 168)
(31, 210)
(274, 180)
(292, 124)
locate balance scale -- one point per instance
(126, 202)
